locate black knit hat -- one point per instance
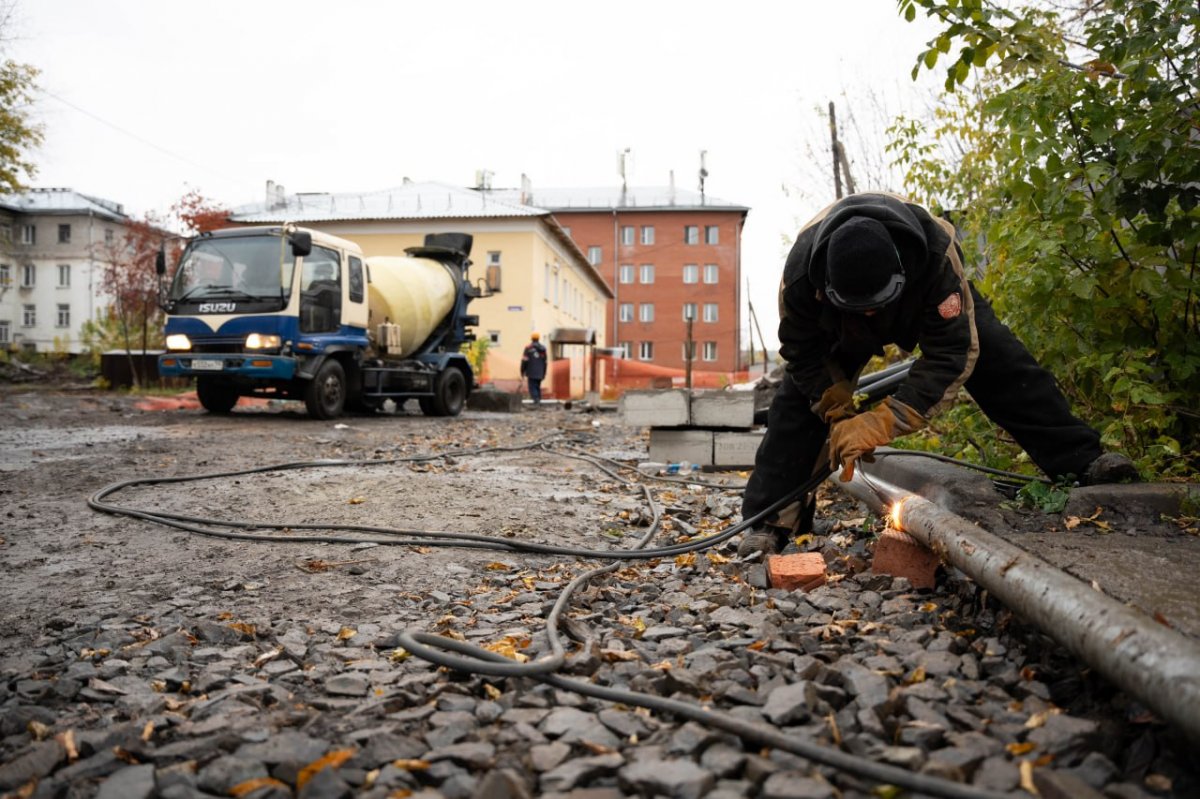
(862, 268)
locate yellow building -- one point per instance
(545, 281)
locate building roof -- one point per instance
(62, 202)
(412, 200)
(607, 198)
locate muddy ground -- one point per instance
(71, 574)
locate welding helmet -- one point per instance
(863, 270)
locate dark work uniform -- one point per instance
(962, 343)
(533, 368)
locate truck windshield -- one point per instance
(239, 267)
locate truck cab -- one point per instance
(287, 312)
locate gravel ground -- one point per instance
(140, 661)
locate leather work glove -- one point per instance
(857, 437)
(836, 404)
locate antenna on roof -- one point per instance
(703, 173)
(623, 158)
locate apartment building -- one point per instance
(545, 282)
(669, 255)
(51, 243)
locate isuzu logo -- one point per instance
(217, 307)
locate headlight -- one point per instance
(257, 341)
(178, 341)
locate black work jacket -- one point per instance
(823, 345)
(533, 361)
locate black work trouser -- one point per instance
(1007, 384)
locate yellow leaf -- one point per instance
(1018, 749)
(507, 646)
(662, 665)
(928, 607)
(918, 675)
(356, 500)
(683, 561)
(1026, 769)
(717, 558)
(332, 760)
(67, 739)
(497, 566)
(1072, 522)
(758, 645)
(148, 731)
(250, 786)
(399, 655)
(492, 691)
(345, 634)
(411, 765)
(802, 540)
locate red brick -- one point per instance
(901, 555)
(802, 571)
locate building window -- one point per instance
(711, 273)
(689, 350)
(557, 287)
(647, 234)
(595, 255)
(691, 273)
(626, 273)
(626, 349)
(5, 233)
(710, 350)
(64, 315)
(28, 315)
(689, 311)
(28, 275)
(691, 234)
(646, 312)
(710, 312)
(5, 275)
(625, 312)
(64, 234)
(627, 235)
(646, 274)
(64, 275)
(5, 331)
(28, 234)
(646, 351)
(546, 282)
(108, 235)
(494, 336)
(492, 277)
(712, 234)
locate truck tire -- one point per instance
(325, 394)
(449, 393)
(215, 395)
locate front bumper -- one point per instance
(243, 365)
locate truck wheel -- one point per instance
(215, 396)
(325, 395)
(449, 393)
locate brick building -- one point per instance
(666, 253)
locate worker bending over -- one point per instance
(875, 269)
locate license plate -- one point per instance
(207, 364)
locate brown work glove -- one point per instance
(857, 437)
(836, 404)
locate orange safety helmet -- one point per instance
(534, 336)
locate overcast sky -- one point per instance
(144, 99)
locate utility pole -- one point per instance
(761, 340)
(751, 336)
(836, 149)
(691, 353)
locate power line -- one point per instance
(136, 137)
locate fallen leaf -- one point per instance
(250, 786)
(356, 500)
(346, 633)
(917, 676)
(1026, 771)
(38, 730)
(148, 731)
(243, 628)
(1017, 749)
(758, 645)
(662, 665)
(717, 558)
(802, 540)
(331, 760)
(67, 739)
(618, 655)
(411, 764)
(399, 655)
(497, 566)
(492, 691)
(686, 560)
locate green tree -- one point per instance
(1078, 182)
(18, 132)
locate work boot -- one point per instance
(1111, 467)
(763, 541)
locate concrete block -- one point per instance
(802, 571)
(901, 555)
(723, 409)
(489, 400)
(655, 408)
(675, 446)
(736, 449)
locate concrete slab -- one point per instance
(723, 409)
(668, 408)
(736, 450)
(676, 446)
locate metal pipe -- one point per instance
(1155, 664)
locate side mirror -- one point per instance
(301, 243)
(160, 262)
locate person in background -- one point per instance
(533, 367)
(875, 269)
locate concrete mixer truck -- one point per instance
(291, 313)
